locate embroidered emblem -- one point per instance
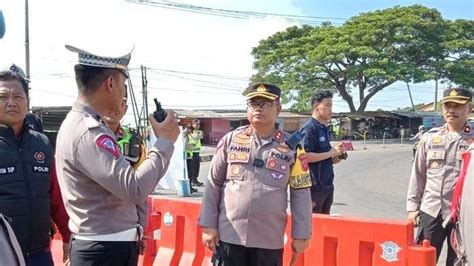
(261, 88)
(283, 148)
(435, 165)
(304, 162)
(283, 167)
(453, 93)
(322, 139)
(39, 156)
(390, 251)
(276, 175)
(242, 157)
(235, 169)
(278, 135)
(271, 164)
(107, 143)
(437, 140)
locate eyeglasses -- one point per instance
(261, 104)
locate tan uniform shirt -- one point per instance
(247, 192)
(100, 188)
(435, 170)
(466, 215)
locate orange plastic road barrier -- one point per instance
(347, 145)
(336, 240)
(363, 242)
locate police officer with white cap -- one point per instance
(435, 171)
(100, 188)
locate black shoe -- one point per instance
(193, 190)
(198, 184)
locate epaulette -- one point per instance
(91, 122)
(294, 139)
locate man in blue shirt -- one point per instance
(321, 156)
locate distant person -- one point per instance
(321, 155)
(100, 188)
(195, 137)
(188, 153)
(243, 212)
(29, 191)
(417, 139)
(436, 169)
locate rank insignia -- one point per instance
(276, 175)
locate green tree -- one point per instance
(367, 53)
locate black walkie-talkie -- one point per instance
(159, 114)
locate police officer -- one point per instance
(133, 149)
(243, 211)
(100, 187)
(29, 193)
(195, 137)
(436, 168)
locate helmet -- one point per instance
(421, 127)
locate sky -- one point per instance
(193, 60)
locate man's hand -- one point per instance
(167, 129)
(299, 245)
(65, 252)
(142, 245)
(412, 217)
(210, 238)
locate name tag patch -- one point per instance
(40, 169)
(7, 170)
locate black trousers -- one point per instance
(323, 201)
(431, 228)
(102, 253)
(235, 255)
(196, 166)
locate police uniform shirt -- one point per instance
(247, 191)
(99, 187)
(466, 215)
(317, 140)
(435, 170)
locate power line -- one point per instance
(237, 14)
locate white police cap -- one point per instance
(90, 59)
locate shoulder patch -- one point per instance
(299, 176)
(108, 143)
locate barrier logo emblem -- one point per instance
(168, 219)
(390, 251)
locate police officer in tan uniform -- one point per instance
(243, 211)
(435, 170)
(99, 186)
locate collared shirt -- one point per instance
(435, 170)
(100, 188)
(246, 196)
(317, 139)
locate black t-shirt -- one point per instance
(317, 139)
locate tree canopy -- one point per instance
(366, 54)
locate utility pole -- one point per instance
(435, 108)
(27, 41)
(411, 98)
(145, 96)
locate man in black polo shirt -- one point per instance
(321, 156)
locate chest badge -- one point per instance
(322, 139)
(39, 156)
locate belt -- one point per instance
(130, 235)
